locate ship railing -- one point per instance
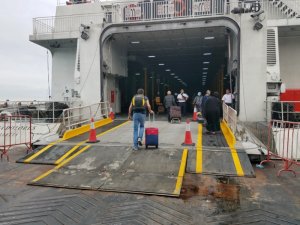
(137, 11)
(284, 144)
(58, 24)
(78, 116)
(230, 116)
(283, 110)
(39, 111)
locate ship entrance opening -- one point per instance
(195, 59)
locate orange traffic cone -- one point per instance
(195, 114)
(188, 135)
(111, 114)
(92, 137)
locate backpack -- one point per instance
(138, 103)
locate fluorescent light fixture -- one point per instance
(207, 53)
(150, 77)
(161, 83)
(151, 56)
(205, 68)
(172, 74)
(135, 42)
(176, 77)
(161, 64)
(204, 73)
(168, 70)
(137, 74)
(204, 76)
(205, 62)
(209, 38)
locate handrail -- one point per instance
(230, 116)
(135, 11)
(78, 116)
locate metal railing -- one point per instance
(14, 130)
(230, 116)
(134, 11)
(284, 144)
(56, 24)
(74, 2)
(39, 111)
(78, 116)
(283, 110)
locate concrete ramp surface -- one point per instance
(116, 168)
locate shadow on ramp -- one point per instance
(119, 169)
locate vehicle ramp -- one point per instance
(119, 169)
(112, 165)
(217, 155)
(56, 152)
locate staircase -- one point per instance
(290, 8)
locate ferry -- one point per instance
(78, 166)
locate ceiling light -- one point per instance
(150, 77)
(172, 74)
(151, 56)
(168, 70)
(161, 64)
(205, 62)
(135, 42)
(137, 74)
(207, 53)
(204, 72)
(205, 68)
(161, 83)
(209, 38)
(176, 77)
(204, 76)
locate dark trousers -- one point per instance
(213, 121)
(183, 108)
(229, 104)
(168, 113)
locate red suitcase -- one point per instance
(151, 134)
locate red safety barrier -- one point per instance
(284, 144)
(15, 130)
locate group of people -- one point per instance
(209, 105)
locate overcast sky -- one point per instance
(23, 64)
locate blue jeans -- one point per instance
(138, 127)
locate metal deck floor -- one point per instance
(204, 199)
(114, 168)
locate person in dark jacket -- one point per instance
(169, 101)
(205, 97)
(213, 112)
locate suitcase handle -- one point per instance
(150, 117)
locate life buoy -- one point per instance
(179, 7)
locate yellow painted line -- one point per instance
(68, 135)
(114, 128)
(181, 172)
(68, 153)
(230, 139)
(76, 154)
(199, 153)
(81, 143)
(60, 165)
(41, 151)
